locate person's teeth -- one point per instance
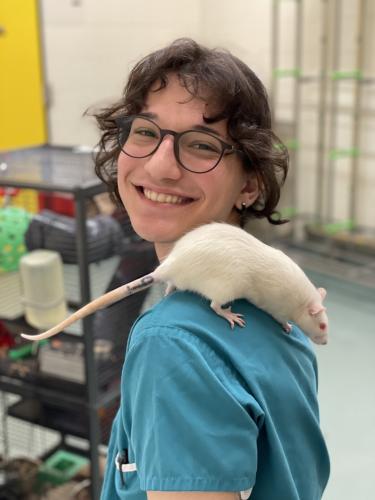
(162, 198)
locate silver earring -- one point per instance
(243, 207)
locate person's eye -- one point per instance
(205, 146)
(145, 132)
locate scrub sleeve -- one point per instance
(187, 429)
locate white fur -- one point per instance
(223, 262)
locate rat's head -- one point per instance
(314, 321)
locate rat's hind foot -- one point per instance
(287, 327)
(170, 288)
(228, 314)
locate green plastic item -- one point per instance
(292, 144)
(288, 212)
(289, 144)
(285, 73)
(336, 227)
(25, 351)
(337, 154)
(14, 222)
(333, 228)
(280, 146)
(355, 74)
(60, 467)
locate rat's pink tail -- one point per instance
(99, 303)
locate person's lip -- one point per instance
(160, 195)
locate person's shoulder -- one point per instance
(177, 315)
(188, 317)
(168, 337)
(183, 331)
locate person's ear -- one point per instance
(249, 193)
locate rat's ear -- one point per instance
(323, 292)
(316, 309)
(249, 193)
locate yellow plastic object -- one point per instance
(22, 116)
(25, 198)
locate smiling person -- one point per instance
(205, 413)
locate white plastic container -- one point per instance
(43, 288)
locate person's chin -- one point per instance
(159, 232)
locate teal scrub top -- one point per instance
(208, 408)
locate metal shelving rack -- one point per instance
(329, 77)
(79, 180)
(292, 74)
(338, 77)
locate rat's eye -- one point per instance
(322, 326)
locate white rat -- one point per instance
(223, 263)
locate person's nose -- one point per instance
(163, 163)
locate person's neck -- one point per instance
(162, 250)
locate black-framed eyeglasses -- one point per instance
(195, 150)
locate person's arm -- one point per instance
(190, 436)
(191, 495)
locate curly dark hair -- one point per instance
(238, 95)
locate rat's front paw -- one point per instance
(227, 313)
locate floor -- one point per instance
(347, 390)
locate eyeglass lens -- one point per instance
(197, 151)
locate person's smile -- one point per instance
(162, 196)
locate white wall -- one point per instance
(90, 46)
(243, 27)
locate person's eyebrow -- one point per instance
(204, 128)
(199, 126)
(146, 114)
